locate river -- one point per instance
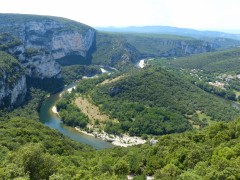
(48, 118)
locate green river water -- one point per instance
(48, 118)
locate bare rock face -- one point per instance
(45, 39)
(12, 95)
(35, 43)
(74, 42)
(13, 86)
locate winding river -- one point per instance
(48, 118)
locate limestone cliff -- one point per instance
(13, 86)
(45, 39)
(121, 50)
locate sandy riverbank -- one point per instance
(54, 110)
(123, 141)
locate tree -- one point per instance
(121, 168)
(34, 161)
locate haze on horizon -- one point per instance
(196, 14)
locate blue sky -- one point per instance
(197, 14)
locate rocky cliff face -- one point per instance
(121, 50)
(12, 95)
(183, 48)
(13, 86)
(37, 42)
(45, 39)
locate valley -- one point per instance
(82, 103)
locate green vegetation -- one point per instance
(147, 102)
(118, 49)
(11, 68)
(215, 62)
(114, 50)
(76, 72)
(154, 45)
(30, 52)
(22, 18)
(29, 109)
(154, 101)
(70, 113)
(8, 41)
(51, 85)
(29, 150)
(214, 72)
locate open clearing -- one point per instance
(112, 80)
(92, 111)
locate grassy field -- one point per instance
(92, 111)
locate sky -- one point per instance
(196, 14)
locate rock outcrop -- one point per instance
(13, 86)
(37, 42)
(184, 48)
(45, 39)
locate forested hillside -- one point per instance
(214, 62)
(28, 150)
(215, 72)
(154, 101)
(119, 49)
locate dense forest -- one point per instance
(215, 72)
(29, 150)
(76, 72)
(147, 101)
(157, 94)
(214, 62)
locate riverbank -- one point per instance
(123, 141)
(54, 110)
(94, 114)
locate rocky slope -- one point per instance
(169, 45)
(13, 86)
(114, 50)
(43, 39)
(37, 42)
(121, 50)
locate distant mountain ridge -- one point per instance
(170, 30)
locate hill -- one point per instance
(65, 24)
(41, 43)
(155, 101)
(28, 150)
(216, 72)
(215, 62)
(123, 49)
